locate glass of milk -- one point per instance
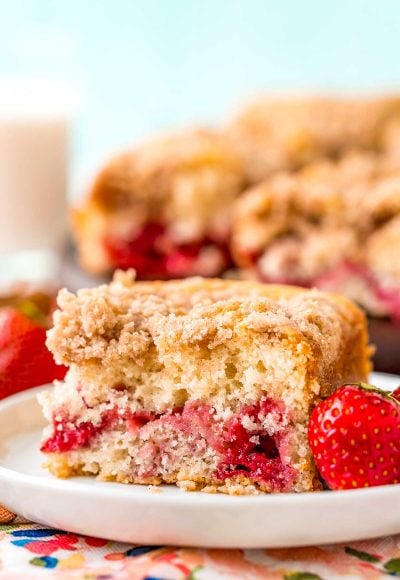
(34, 161)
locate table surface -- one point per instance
(29, 551)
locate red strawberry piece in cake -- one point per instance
(154, 254)
(354, 436)
(141, 251)
(69, 438)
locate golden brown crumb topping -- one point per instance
(126, 318)
(285, 133)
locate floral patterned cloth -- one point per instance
(29, 551)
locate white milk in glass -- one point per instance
(34, 135)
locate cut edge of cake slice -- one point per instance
(205, 383)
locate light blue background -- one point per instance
(142, 66)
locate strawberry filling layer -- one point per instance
(336, 277)
(153, 254)
(388, 295)
(252, 443)
(68, 436)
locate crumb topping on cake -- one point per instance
(286, 133)
(132, 333)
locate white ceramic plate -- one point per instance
(136, 514)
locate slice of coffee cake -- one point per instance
(334, 225)
(162, 208)
(205, 383)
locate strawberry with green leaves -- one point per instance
(354, 436)
(25, 360)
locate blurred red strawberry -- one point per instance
(24, 358)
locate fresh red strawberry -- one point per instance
(24, 359)
(354, 436)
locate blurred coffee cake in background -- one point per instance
(163, 208)
(333, 225)
(274, 134)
